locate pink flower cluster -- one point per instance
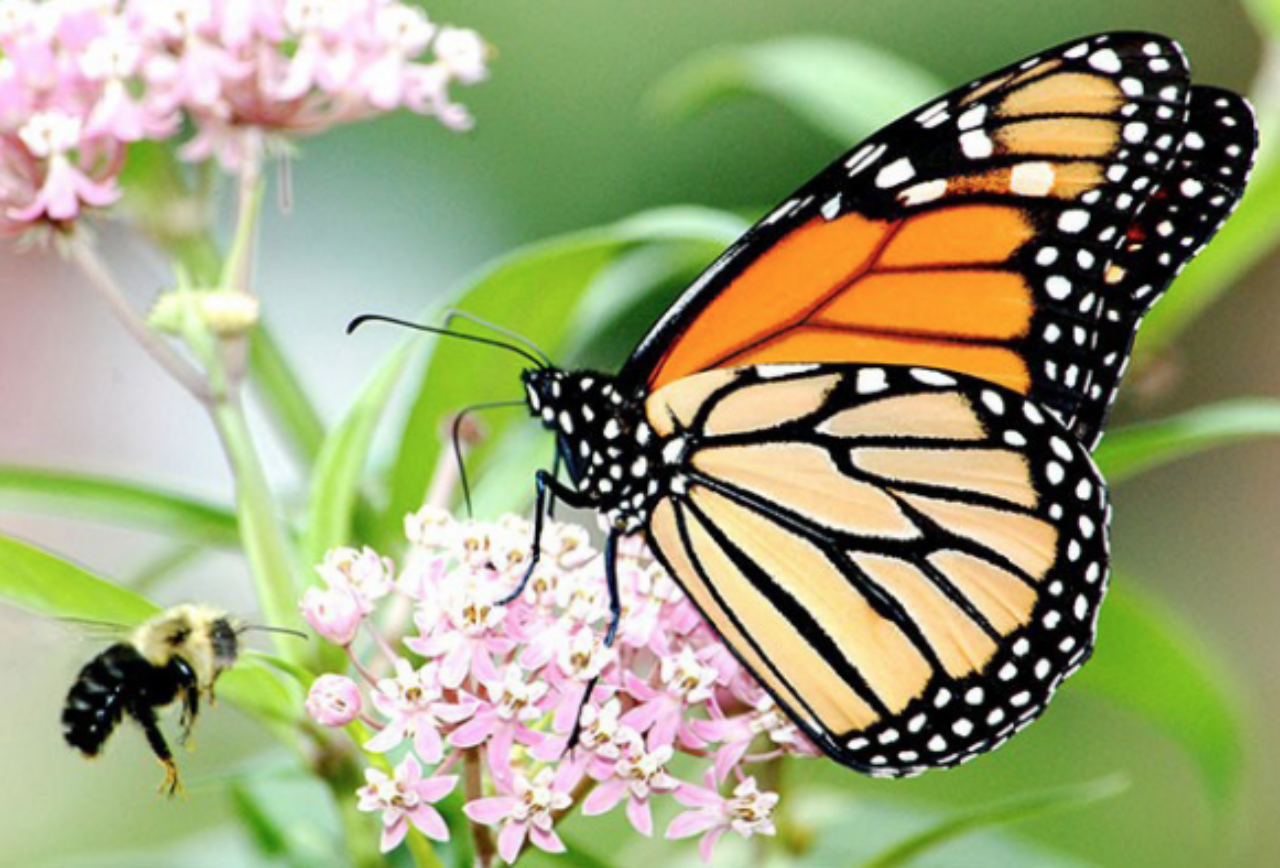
(443, 670)
(82, 79)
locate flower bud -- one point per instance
(334, 700)
(334, 613)
(228, 312)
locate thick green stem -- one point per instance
(271, 559)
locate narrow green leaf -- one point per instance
(1151, 662)
(335, 486)
(285, 399)
(260, 692)
(47, 585)
(117, 502)
(269, 839)
(40, 582)
(165, 566)
(1136, 449)
(1013, 810)
(1250, 234)
(534, 291)
(844, 88)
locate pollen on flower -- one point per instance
(448, 667)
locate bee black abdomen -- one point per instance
(98, 698)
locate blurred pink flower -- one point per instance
(79, 81)
(335, 614)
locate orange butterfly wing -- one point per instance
(972, 235)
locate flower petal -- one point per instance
(429, 822)
(640, 816)
(510, 840)
(546, 839)
(490, 810)
(605, 797)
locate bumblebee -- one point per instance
(175, 656)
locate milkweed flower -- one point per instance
(405, 797)
(81, 81)
(747, 812)
(452, 673)
(334, 700)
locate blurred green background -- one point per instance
(390, 215)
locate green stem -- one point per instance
(271, 559)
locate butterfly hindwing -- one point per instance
(909, 560)
(970, 235)
(1199, 194)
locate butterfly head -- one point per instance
(600, 433)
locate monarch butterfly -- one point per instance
(860, 440)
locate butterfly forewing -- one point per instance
(909, 560)
(971, 235)
(1200, 192)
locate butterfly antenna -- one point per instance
(453, 314)
(375, 317)
(263, 628)
(456, 439)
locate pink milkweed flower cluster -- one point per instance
(444, 671)
(82, 79)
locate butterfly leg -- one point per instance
(547, 485)
(611, 579)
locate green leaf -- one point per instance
(267, 836)
(335, 485)
(1013, 810)
(844, 88)
(1243, 241)
(50, 586)
(116, 502)
(1138, 448)
(1151, 662)
(534, 291)
(40, 582)
(1266, 15)
(285, 400)
(165, 566)
(260, 692)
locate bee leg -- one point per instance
(190, 711)
(546, 485)
(171, 785)
(146, 719)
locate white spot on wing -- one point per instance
(863, 157)
(925, 191)
(976, 144)
(898, 172)
(1106, 61)
(1031, 179)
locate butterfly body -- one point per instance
(860, 441)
